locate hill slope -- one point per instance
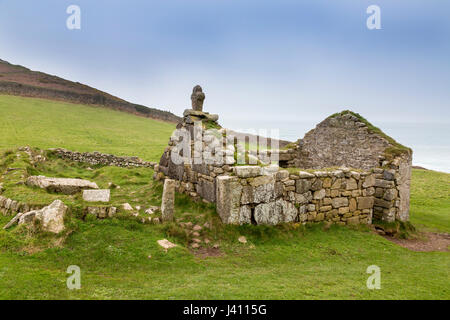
(20, 81)
(50, 124)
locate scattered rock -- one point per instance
(152, 210)
(166, 244)
(102, 195)
(195, 246)
(242, 239)
(138, 208)
(197, 228)
(195, 234)
(196, 240)
(127, 207)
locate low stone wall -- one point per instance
(95, 158)
(101, 212)
(341, 196)
(256, 195)
(10, 206)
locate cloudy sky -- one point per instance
(256, 59)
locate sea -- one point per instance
(430, 142)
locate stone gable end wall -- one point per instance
(341, 141)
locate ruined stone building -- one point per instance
(344, 170)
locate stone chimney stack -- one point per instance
(196, 113)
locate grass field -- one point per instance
(49, 124)
(283, 262)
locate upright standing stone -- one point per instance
(228, 199)
(168, 199)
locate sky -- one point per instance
(257, 60)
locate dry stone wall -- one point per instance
(95, 158)
(9, 206)
(264, 197)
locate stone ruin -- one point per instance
(344, 171)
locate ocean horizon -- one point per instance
(430, 142)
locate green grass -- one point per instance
(430, 200)
(283, 262)
(49, 124)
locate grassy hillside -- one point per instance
(120, 259)
(20, 81)
(48, 124)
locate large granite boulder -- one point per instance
(51, 217)
(60, 185)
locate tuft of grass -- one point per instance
(209, 124)
(398, 229)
